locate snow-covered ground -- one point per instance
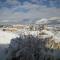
(5, 37)
(56, 35)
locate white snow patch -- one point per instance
(5, 37)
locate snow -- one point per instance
(55, 35)
(5, 37)
(34, 33)
(47, 34)
(15, 43)
(52, 23)
(42, 21)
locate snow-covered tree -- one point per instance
(30, 48)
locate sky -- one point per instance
(28, 11)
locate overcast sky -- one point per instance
(27, 11)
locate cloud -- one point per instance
(13, 11)
(48, 3)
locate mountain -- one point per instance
(54, 21)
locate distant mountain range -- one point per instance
(54, 21)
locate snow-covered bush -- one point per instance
(30, 48)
